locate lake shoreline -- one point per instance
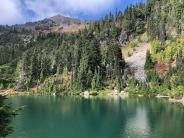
(108, 93)
(177, 101)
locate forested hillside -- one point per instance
(165, 60)
(91, 59)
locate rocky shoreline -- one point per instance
(177, 101)
(12, 92)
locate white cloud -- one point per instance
(69, 7)
(10, 12)
(14, 11)
(89, 6)
(42, 8)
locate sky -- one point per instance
(22, 11)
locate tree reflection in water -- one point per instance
(6, 114)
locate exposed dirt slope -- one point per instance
(137, 60)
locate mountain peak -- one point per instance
(57, 24)
(60, 20)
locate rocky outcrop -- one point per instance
(123, 38)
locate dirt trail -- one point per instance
(137, 60)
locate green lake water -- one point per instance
(76, 117)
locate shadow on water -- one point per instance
(75, 117)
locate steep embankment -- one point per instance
(137, 60)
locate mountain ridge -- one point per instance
(57, 24)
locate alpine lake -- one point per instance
(77, 117)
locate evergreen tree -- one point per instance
(149, 63)
(96, 81)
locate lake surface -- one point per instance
(76, 117)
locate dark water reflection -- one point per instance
(75, 117)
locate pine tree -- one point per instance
(96, 81)
(119, 83)
(149, 63)
(1, 86)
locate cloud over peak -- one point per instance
(21, 11)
